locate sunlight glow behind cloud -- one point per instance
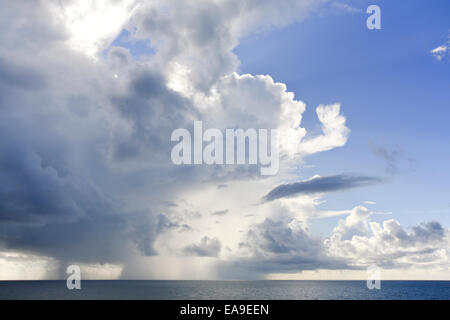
(92, 25)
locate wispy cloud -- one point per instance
(220, 213)
(319, 185)
(441, 52)
(346, 7)
(393, 156)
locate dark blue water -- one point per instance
(225, 290)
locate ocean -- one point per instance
(225, 290)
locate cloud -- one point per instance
(24, 266)
(220, 213)
(392, 155)
(88, 26)
(208, 247)
(286, 246)
(335, 132)
(283, 245)
(346, 7)
(441, 52)
(319, 185)
(19, 77)
(363, 242)
(85, 170)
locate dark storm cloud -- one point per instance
(154, 111)
(319, 185)
(59, 194)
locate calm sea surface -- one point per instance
(225, 290)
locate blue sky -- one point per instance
(393, 92)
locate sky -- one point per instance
(91, 92)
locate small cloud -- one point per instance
(220, 213)
(369, 202)
(185, 227)
(441, 51)
(335, 213)
(169, 204)
(192, 214)
(346, 7)
(382, 213)
(208, 247)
